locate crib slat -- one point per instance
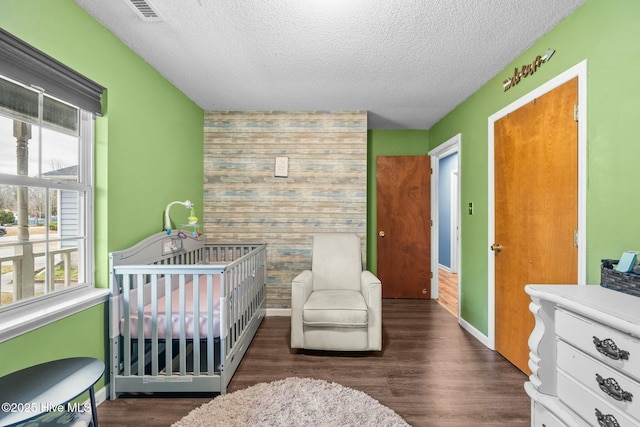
(254, 289)
(183, 325)
(126, 284)
(196, 324)
(168, 330)
(243, 290)
(210, 336)
(225, 282)
(140, 310)
(154, 325)
(237, 289)
(232, 286)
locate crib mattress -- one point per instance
(203, 319)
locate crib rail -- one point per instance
(145, 285)
(170, 356)
(244, 288)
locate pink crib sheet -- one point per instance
(160, 320)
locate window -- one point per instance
(47, 113)
(45, 194)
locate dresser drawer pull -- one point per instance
(613, 389)
(610, 349)
(606, 420)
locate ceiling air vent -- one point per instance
(145, 10)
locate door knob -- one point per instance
(381, 233)
(496, 247)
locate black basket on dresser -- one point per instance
(628, 283)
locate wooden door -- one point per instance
(404, 229)
(536, 211)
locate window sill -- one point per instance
(16, 322)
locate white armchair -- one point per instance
(336, 305)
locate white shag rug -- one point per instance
(293, 402)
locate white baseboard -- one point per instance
(279, 312)
(101, 395)
(476, 333)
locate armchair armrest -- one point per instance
(302, 284)
(301, 287)
(371, 289)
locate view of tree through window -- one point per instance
(43, 195)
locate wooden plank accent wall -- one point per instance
(325, 191)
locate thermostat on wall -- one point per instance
(282, 167)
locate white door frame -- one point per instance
(455, 220)
(452, 145)
(579, 70)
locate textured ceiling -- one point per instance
(407, 62)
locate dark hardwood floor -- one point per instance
(430, 371)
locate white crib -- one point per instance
(182, 313)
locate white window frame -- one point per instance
(24, 316)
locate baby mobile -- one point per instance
(191, 229)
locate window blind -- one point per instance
(32, 67)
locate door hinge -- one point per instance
(575, 238)
(431, 274)
(575, 112)
(431, 171)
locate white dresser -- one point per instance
(585, 357)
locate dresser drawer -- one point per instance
(610, 385)
(611, 347)
(589, 406)
(542, 417)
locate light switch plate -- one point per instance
(282, 167)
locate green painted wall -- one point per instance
(76, 335)
(148, 153)
(606, 34)
(387, 143)
(149, 123)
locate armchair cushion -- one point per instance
(337, 308)
(336, 262)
